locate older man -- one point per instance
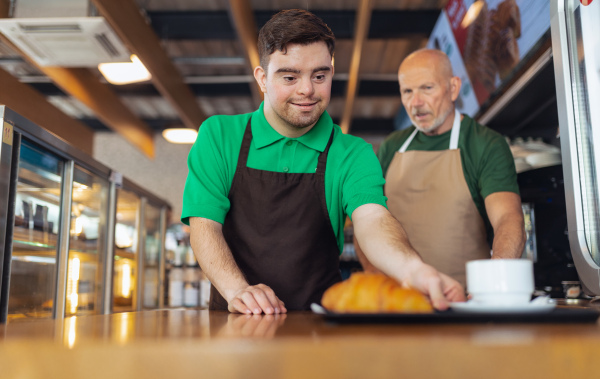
(450, 181)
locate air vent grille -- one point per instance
(105, 42)
(67, 41)
(50, 28)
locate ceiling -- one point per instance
(201, 55)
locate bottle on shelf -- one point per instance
(191, 285)
(191, 288)
(204, 289)
(176, 279)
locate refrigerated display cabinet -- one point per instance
(75, 236)
(576, 50)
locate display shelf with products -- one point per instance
(127, 228)
(76, 231)
(88, 230)
(34, 256)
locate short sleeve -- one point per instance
(497, 172)
(209, 179)
(363, 181)
(384, 156)
(388, 148)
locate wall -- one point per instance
(163, 176)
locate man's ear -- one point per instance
(261, 78)
(455, 84)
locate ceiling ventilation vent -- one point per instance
(66, 42)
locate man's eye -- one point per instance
(320, 77)
(288, 78)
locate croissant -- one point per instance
(374, 293)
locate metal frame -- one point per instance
(588, 270)
(139, 259)
(6, 167)
(162, 258)
(64, 240)
(110, 251)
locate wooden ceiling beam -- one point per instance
(242, 18)
(363, 19)
(82, 84)
(4, 8)
(128, 22)
(32, 105)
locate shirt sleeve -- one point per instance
(209, 179)
(388, 149)
(363, 182)
(497, 172)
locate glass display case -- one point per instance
(75, 237)
(127, 225)
(154, 231)
(576, 50)
(88, 232)
(35, 236)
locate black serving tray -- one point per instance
(556, 315)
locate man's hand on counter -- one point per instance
(256, 300)
(440, 288)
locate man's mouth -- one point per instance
(420, 115)
(305, 105)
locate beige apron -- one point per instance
(428, 194)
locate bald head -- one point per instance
(434, 59)
(428, 90)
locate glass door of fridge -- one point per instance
(87, 243)
(576, 52)
(153, 241)
(127, 229)
(33, 273)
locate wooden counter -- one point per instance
(201, 344)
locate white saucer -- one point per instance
(473, 307)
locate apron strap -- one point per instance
(408, 141)
(455, 131)
(243, 157)
(323, 156)
(454, 134)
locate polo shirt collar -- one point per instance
(264, 134)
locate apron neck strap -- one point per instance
(453, 134)
(455, 131)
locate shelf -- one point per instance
(120, 253)
(34, 239)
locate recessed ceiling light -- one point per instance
(125, 72)
(180, 135)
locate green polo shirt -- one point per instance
(487, 162)
(352, 176)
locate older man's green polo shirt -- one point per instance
(353, 174)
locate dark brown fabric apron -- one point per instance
(279, 232)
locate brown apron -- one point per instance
(427, 192)
(279, 232)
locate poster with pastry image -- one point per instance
(492, 36)
(442, 38)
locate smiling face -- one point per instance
(428, 91)
(297, 87)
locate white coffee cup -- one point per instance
(500, 281)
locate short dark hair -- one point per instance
(292, 26)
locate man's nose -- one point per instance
(306, 87)
(417, 100)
